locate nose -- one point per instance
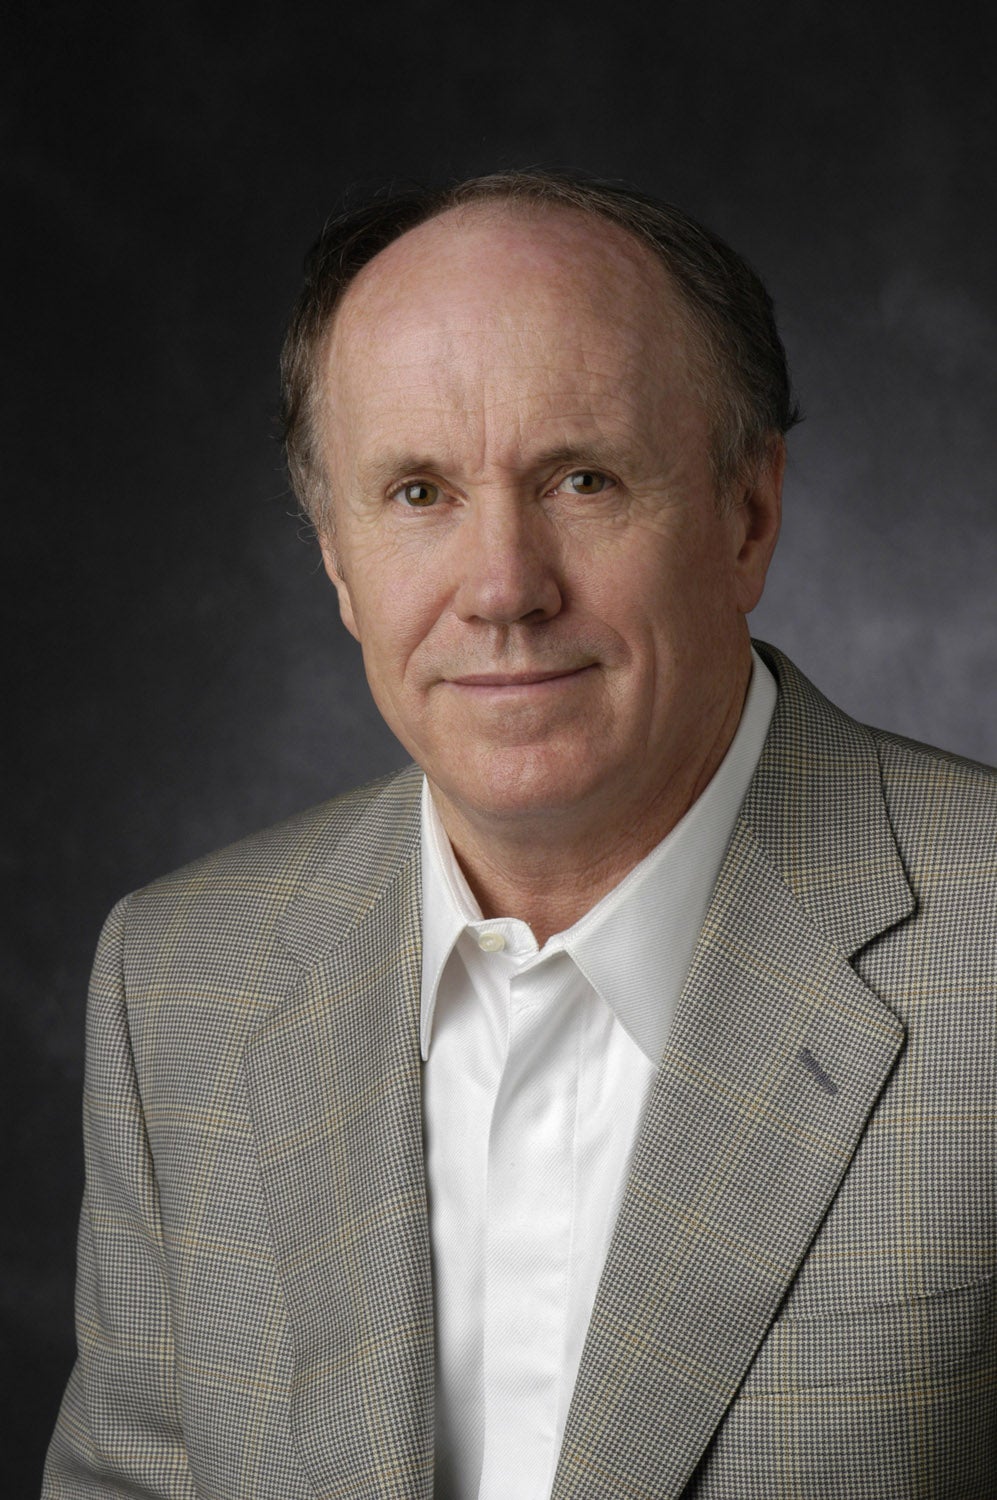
(507, 564)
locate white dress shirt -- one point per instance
(538, 1065)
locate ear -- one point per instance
(757, 513)
(333, 567)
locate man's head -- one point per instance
(512, 429)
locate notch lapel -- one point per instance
(335, 1096)
(777, 1056)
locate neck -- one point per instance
(548, 868)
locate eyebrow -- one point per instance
(392, 467)
(586, 455)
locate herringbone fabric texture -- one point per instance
(799, 1298)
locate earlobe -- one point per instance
(760, 513)
(334, 570)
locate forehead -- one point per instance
(491, 270)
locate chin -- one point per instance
(514, 787)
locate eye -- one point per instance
(585, 482)
(419, 494)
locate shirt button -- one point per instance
(491, 942)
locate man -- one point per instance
(606, 1108)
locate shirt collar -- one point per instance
(636, 944)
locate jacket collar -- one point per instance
(817, 808)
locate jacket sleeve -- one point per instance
(119, 1430)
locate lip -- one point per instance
(513, 680)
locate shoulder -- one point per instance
(911, 761)
(943, 807)
(831, 794)
(810, 729)
(255, 880)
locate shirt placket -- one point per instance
(530, 1211)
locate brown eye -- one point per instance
(586, 482)
(419, 494)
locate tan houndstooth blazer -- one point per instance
(799, 1295)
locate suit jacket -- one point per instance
(798, 1300)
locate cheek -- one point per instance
(652, 591)
(672, 607)
(394, 616)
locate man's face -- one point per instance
(525, 536)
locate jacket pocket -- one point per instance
(944, 1335)
(887, 1402)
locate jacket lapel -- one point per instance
(777, 1056)
(334, 1084)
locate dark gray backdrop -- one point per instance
(179, 674)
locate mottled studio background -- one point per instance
(179, 674)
